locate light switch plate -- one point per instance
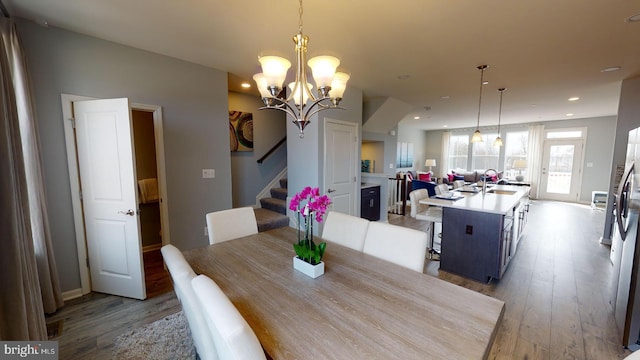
(208, 173)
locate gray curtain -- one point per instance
(28, 275)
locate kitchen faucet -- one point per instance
(484, 180)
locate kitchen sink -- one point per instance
(501, 192)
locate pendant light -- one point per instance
(301, 104)
(477, 136)
(498, 141)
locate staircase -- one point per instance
(273, 213)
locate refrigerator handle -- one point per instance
(623, 202)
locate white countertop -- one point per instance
(489, 202)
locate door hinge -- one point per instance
(73, 122)
(80, 194)
(87, 261)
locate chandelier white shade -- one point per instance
(477, 136)
(302, 103)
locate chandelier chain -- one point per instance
(300, 18)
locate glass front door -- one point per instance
(561, 169)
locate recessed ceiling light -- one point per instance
(633, 18)
(569, 114)
(445, 97)
(485, 82)
(611, 68)
(245, 85)
(575, 98)
(416, 117)
(444, 125)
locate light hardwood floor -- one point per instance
(555, 290)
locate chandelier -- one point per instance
(301, 104)
(498, 141)
(477, 136)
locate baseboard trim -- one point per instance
(151, 247)
(72, 294)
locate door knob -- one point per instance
(129, 212)
(330, 191)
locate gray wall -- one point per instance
(269, 127)
(194, 103)
(598, 150)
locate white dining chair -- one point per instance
(345, 229)
(181, 275)
(442, 189)
(232, 336)
(400, 245)
(458, 184)
(231, 224)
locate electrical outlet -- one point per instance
(208, 173)
(390, 166)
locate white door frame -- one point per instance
(356, 194)
(576, 180)
(74, 179)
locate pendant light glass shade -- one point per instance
(477, 136)
(498, 141)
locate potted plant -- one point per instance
(309, 205)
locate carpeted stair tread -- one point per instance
(273, 204)
(279, 193)
(268, 219)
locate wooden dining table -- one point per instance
(361, 308)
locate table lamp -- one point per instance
(520, 164)
(430, 163)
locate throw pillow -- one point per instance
(458, 177)
(424, 176)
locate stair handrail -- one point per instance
(282, 141)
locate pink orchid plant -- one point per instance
(309, 204)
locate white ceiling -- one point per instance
(543, 51)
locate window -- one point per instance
(515, 148)
(458, 151)
(564, 134)
(485, 155)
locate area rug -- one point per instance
(167, 338)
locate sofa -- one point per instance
(470, 176)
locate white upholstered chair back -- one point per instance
(182, 274)
(232, 336)
(400, 245)
(346, 230)
(414, 199)
(231, 224)
(442, 189)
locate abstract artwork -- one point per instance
(241, 131)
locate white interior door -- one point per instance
(341, 163)
(561, 170)
(109, 196)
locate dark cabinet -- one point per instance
(476, 244)
(370, 203)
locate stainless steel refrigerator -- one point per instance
(625, 249)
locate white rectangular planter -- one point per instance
(304, 267)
